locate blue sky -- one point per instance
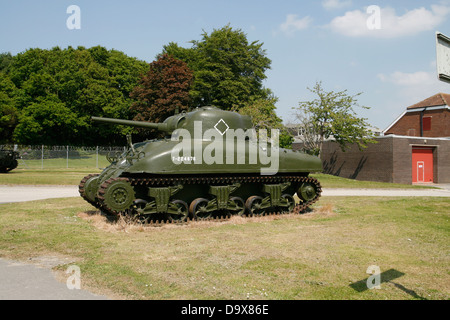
(387, 52)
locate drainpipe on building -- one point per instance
(421, 121)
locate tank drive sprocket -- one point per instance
(116, 195)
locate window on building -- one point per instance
(426, 123)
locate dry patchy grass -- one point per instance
(316, 255)
(131, 225)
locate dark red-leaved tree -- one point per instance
(163, 89)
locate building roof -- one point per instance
(440, 99)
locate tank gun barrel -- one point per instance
(139, 124)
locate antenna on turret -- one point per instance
(130, 142)
(177, 110)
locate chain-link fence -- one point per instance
(46, 157)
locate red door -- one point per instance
(422, 165)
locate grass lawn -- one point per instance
(74, 162)
(330, 181)
(323, 254)
(46, 176)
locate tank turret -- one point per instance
(208, 116)
(211, 163)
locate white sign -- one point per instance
(443, 57)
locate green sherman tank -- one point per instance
(211, 163)
(8, 160)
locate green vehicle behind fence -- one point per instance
(8, 160)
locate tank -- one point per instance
(8, 160)
(212, 163)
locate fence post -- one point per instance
(67, 157)
(96, 160)
(42, 157)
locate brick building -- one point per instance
(428, 118)
(415, 148)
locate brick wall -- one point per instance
(373, 163)
(402, 159)
(389, 160)
(409, 124)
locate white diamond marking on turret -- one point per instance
(222, 132)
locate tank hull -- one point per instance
(159, 157)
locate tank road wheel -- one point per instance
(198, 209)
(307, 192)
(139, 205)
(178, 211)
(254, 205)
(290, 203)
(240, 206)
(138, 208)
(118, 195)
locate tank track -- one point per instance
(208, 180)
(81, 189)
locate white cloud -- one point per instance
(335, 4)
(293, 24)
(355, 23)
(399, 78)
(415, 86)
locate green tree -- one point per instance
(332, 115)
(264, 116)
(5, 61)
(9, 114)
(228, 69)
(47, 122)
(76, 84)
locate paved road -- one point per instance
(28, 193)
(22, 281)
(388, 192)
(18, 193)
